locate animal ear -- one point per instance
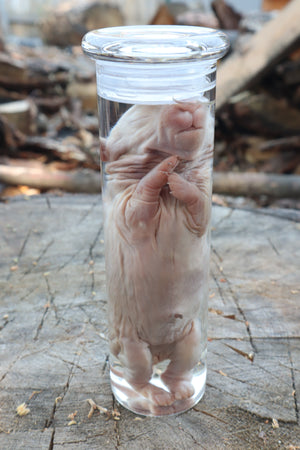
(104, 153)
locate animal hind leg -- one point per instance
(137, 362)
(184, 358)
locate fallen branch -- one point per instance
(250, 184)
(246, 184)
(264, 115)
(268, 46)
(284, 143)
(229, 18)
(85, 180)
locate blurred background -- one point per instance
(48, 105)
(23, 17)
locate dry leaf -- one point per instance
(230, 316)
(116, 414)
(33, 394)
(72, 415)
(22, 410)
(94, 407)
(72, 422)
(216, 311)
(102, 335)
(249, 356)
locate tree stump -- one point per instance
(53, 334)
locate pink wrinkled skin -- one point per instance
(157, 208)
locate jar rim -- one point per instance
(163, 44)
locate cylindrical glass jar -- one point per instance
(156, 96)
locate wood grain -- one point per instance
(53, 328)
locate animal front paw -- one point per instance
(182, 129)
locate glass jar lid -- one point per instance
(155, 44)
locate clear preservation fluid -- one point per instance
(156, 97)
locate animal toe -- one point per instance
(163, 399)
(182, 390)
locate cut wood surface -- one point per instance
(53, 334)
(268, 46)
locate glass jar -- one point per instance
(156, 98)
